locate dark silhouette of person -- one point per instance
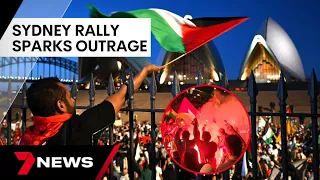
(233, 145)
(169, 169)
(190, 160)
(206, 147)
(185, 143)
(176, 156)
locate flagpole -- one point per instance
(176, 59)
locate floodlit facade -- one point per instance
(272, 50)
(101, 67)
(206, 59)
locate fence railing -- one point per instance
(253, 91)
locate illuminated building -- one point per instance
(272, 50)
(206, 59)
(102, 67)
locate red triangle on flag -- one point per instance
(187, 106)
(195, 37)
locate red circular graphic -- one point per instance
(205, 129)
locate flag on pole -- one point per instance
(249, 150)
(171, 113)
(244, 170)
(261, 122)
(175, 33)
(188, 108)
(138, 151)
(268, 136)
(266, 127)
(289, 127)
(288, 123)
(278, 138)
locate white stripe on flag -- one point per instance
(244, 170)
(137, 156)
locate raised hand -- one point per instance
(153, 68)
(195, 122)
(214, 120)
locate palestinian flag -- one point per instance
(266, 127)
(174, 33)
(172, 114)
(288, 111)
(244, 168)
(249, 150)
(138, 152)
(268, 136)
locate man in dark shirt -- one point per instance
(55, 121)
(206, 147)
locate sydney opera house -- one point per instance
(270, 51)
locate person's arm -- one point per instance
(118, 98)
(102, 115)
(196, 132)
(165, 166)
(160, 173)
(177, 136)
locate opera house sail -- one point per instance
(271, 51)
(205, 59)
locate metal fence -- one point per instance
(282, 95)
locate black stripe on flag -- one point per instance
(209, 21)
(7, 13)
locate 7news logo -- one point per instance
(51, 162)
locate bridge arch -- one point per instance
(53, 66)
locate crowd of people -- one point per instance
(15, 132)
(299, 146)
(269, 152)
(269, 160)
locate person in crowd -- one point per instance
(116, 171)
(55, 120)
(263, 169)
(206, 147)
(125, 175)
(146, 173)
(232, 143)
(185, 142)
(191, 160)
(158, 172)
(168, 169)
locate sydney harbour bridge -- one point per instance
(32, 68)
(17, 71)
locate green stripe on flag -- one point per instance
(249, 155)
(162, 31)
(268, 136)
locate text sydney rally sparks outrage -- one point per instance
(100, 45)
